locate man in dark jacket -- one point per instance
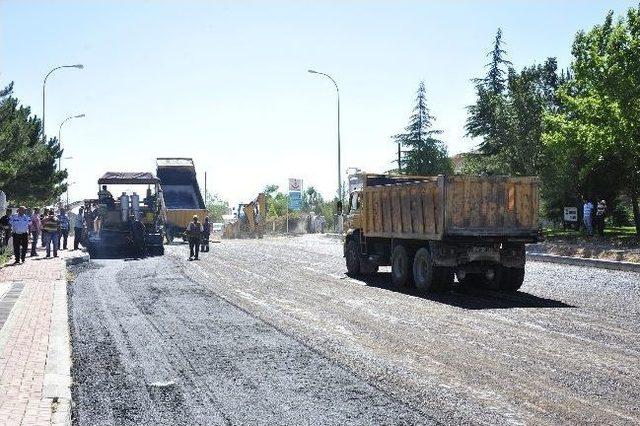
(194, 232)
(5, 228)
(206, 233)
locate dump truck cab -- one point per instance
(123, 223)
(430, 228)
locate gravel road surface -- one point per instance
(271, 331)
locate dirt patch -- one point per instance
(594, 248)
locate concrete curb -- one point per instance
(580, 261)
(76, 260)
(333, 235)
(57, 375)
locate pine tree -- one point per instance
(487, 118)
(424, 153)
(27, 164)
(495, 80)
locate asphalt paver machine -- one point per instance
(125, 225)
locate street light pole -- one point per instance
(339, 151)
(68, 193)
(44, 84)
(60, 134)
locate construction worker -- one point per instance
(105, 197)
(206, 233)
(194, 231)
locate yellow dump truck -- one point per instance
(181, 194)
(428, 228)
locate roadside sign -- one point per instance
(295, 185)
(570, 214)
(295, 201)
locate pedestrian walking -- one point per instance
(51, 232)
(598, 220)
(587, 210)
(35, 228)
(64, 228)
(206, 233)
(78, 227)
(5, 228)
(194, 231)
(20, 233)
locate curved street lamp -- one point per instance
(339, 167)
(68, 185)
(44, 84)
(60, 134)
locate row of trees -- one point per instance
(578, 129)
(28, 173)
(312, 202)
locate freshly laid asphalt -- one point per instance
(151, 346)
(273, 332)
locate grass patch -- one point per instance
(619, 238)
(613, 232)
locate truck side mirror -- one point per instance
(339, 208)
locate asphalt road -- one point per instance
(272, 332)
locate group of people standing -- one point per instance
(593, 217)
(49, 228)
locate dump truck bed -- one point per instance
(435, 208)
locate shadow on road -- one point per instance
(466, 298)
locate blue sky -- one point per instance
(226, 82)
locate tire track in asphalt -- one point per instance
(166, 340)
(555, 344)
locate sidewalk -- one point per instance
(34, 342)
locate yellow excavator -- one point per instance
(249, 222)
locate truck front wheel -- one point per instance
(352, 258)
(401, 271)
(511, 279)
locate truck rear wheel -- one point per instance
(511, 279)
(423, 271)
(352, 258)
(401, 270)
(427, 276)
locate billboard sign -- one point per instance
(295, 185)
(295, 201)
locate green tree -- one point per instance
(425, 154)
(599, 123)
(277, 202)
(488, 116)
(312, 201)
(216, 207)
(28, 172)
(508, 115)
